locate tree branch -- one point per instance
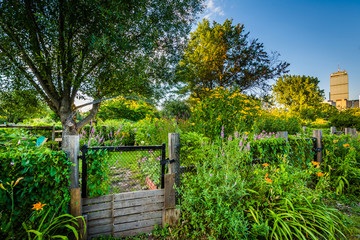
(92, 114)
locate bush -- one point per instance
(348, 118)
(176, 109)
(224, 110)
(46, 179)
(231, 198)
(121, 108)
(269, 122)
(341, 159)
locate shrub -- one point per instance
(346, 118)
(176, 109)
(269, 122)
(121, 108)
(224, 108)
(341, 159)
(46, 180)
(232, 198)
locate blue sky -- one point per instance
(313, 36)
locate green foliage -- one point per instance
(122, 108)
(154, 131)
(346, 118)
(98, 173)
(191, 147)
(50, 226)
(42, 46)
(298, 93)
(150, 167)
(175, 108)
(18, 105)
(231, 198)
(271, 123)
(46, 179)
(341, 159)
(224, 110)
(222, 55)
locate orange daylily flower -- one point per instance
(315, 163)
(268, 180)
(2, 186)
(320, 174)
(17, 181)
(265, 164)
(38, 206)
(266, 175)
(346, 145)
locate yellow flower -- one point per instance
(265, 164)
(193, 123)
(334, 141)
(38, 206)
(320, 174)
(2, 186)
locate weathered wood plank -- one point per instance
(138, 194)
(101, 221)
(136, 225)
(138, 217)
(105, 198)
(96, 207)
(99, 215)
(138, 209)
(133, 232)
(100, 229)
(138, 202)
(169, 193)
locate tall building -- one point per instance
(339, 86)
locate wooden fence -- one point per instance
(124, 214)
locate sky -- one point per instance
(314, 36)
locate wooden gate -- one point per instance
(123, 214)
(129, 213)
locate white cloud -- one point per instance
(212, 9)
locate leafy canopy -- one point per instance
(17, 105)
(222, 55)
(66, 49)
(298, 92)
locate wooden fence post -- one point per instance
(71, 145)
(53, 133)
(171, 214)
(332, 130)
(347, 131)
(318, 135)
(283, 134)
(174, 143)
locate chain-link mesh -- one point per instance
(115, 170)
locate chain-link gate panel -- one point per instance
(108, 170)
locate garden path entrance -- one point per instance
(116, 184)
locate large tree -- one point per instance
(222, 55)
(298, 92)
(68, 49)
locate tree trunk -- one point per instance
(68, 120)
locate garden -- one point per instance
(250, 165)
(249, 183)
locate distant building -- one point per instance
(339, 91)
(339, 86)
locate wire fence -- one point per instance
(108, 170)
